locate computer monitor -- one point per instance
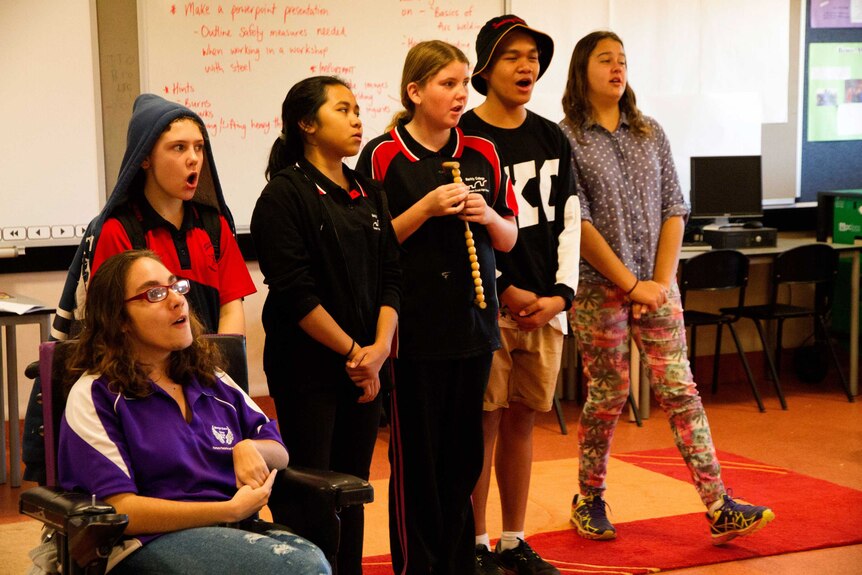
(725, 187)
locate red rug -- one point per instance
(810, 514)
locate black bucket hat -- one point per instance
(489, 37)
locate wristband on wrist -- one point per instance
(637, 281)
(352, 347)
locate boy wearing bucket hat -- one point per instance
(536, 281)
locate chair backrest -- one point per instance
(52, 361)
(715, 270)
(233, 352)
(807, 264)
(811, 263)
(55, 382)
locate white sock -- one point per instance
(509, 539)
(483, 539)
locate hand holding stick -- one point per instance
(471, 244)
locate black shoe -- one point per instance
(522, 560)
(487, 562)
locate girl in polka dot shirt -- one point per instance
(633, 215)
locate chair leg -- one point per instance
(745, 365)
(775, 381)
(570, 348)
(834, 355)
(777, 357)
(560, 384)
(634, 406)
(716, 357)
(558, 408)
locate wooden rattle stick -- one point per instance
(471, 244)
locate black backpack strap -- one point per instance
(132, 221)
(211, 222)
(129, 215)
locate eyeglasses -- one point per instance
(158, 293)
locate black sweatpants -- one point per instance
(435, 452)
(329, 430)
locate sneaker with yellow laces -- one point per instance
(590, 518)
(736, 518)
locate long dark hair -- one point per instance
(576, 103)
(423, 61)
(300, 106)
(103, 347)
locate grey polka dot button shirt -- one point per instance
(628, 187)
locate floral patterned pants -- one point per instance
(604, 327)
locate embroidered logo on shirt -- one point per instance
(477, 184)
(375, 222)
(223, 434)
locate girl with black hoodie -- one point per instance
(168, 199)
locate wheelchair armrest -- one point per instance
(88, 529)
(332, 487)
(309, 501)
(56, 507)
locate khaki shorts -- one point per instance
(525, 369)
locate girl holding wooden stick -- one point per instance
(445, 337)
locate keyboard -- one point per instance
(695, 246)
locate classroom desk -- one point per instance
(8, 324)
(786, 241)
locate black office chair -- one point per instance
(308, 501)
(815, 264)
(713, 271)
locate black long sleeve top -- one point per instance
(319, 244)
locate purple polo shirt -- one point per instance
(628, 188)
(112, 444)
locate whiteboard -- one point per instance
(51, 176)
(233, 64)
(712, 73)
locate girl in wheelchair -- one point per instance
(152, 428)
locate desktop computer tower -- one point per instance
(734, 238)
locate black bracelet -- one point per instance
(349, 351)
(637, 281)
